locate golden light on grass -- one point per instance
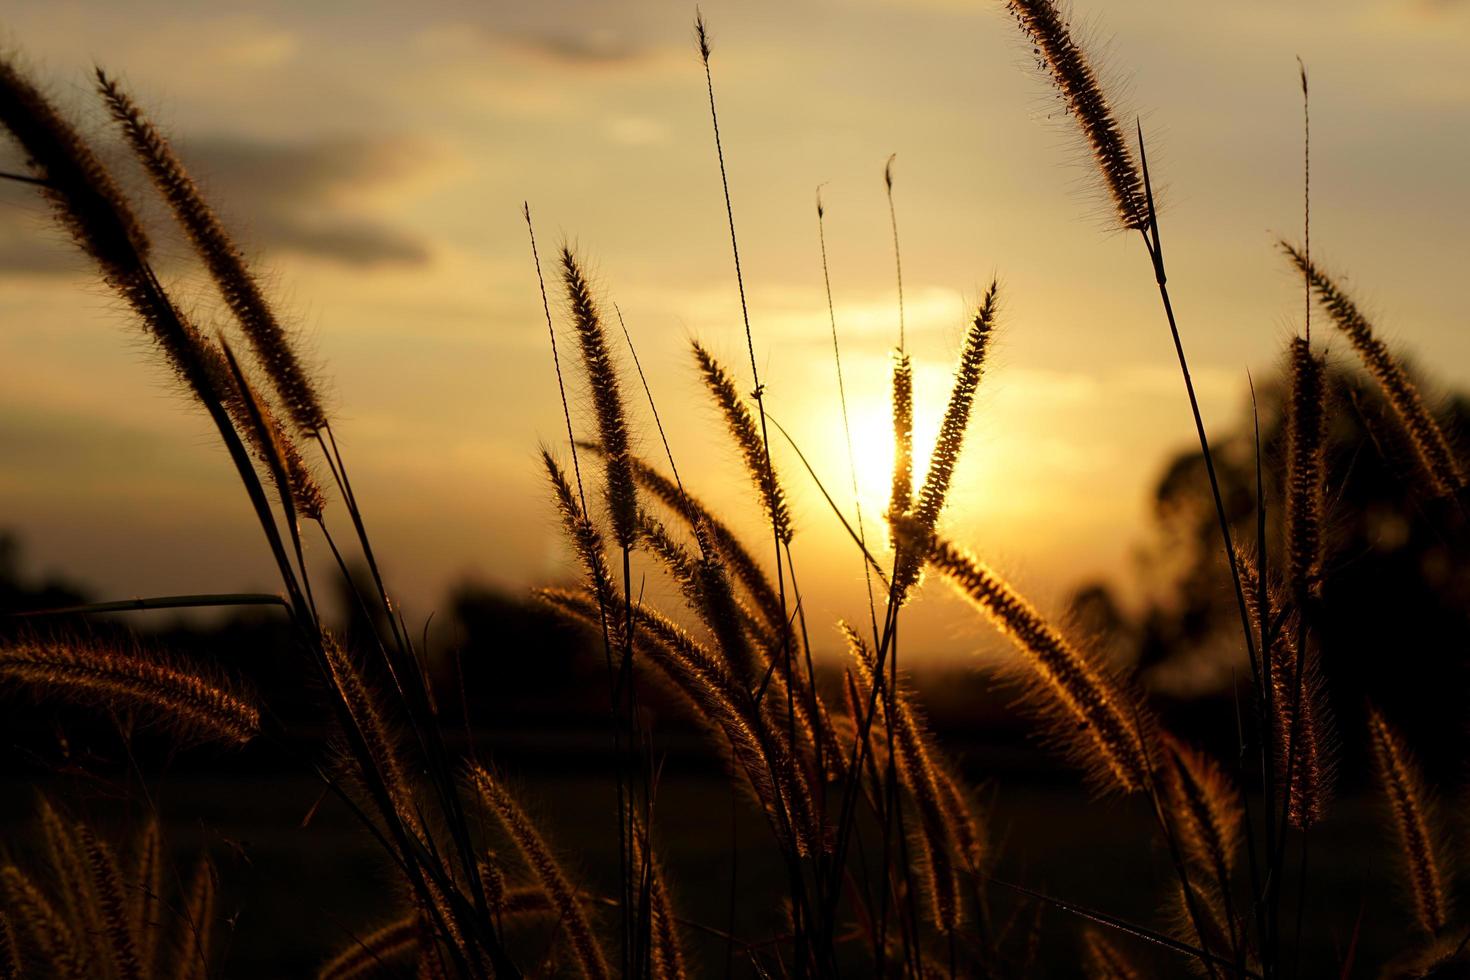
(872, 444)
(877, 853)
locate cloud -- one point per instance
(598, 48)
(302, 197)
(309, 198)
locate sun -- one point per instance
(871, 464)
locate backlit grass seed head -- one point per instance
(86, 199)
(189, 701)
(1432, 447)
(46, 931)
(498, 801)
(925, 515)
(1199, 918)
(920, 775)
(707, 591)
(903, 435)
(1105, 961)
(963, 820)
(108, 888)
(667, 953)
(753, 450)
(146, 900)
(238, 286)
(1306, 429)
(89, 205)
(382, 745)
(262, 432)
(607, 401)
(1312, 761)
(1046, 26)
(1408, 803)
(67, 863)
(732, 552)
(755, 737)
(1205, 811)
(1103, 720)
(368, 955)
(197, 924)
(586, 539)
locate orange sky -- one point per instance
(374, 158)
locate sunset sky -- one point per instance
(374, 156)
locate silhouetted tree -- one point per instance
(1393, 621)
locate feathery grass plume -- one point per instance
(1199, 917)
(703, 523)
(1312, 762)
(1206, 811)
(366, 955)
(107, 884)
(813, 721)
(902, 494)
(925, 517)
(1104, 960)
(733, 626)
(586, 539)
(1103, 718)
(667, 953)
(492, 880)
(44, 929)
(1045, 24)
(756, 739)
(89, 205)
(86, 199)
(297, 488)
(1430, 443)
(607, 400)
(962, 819)
(918, 774)
(747, 438)
(226, 264)
(383, 746)
(191, 702)
(1306, 425)
(268, 440)
(494, 797)
(708, 593)
(68, 865)
(146, 905)
(1447, 956)
(1408, 802)
(854, 698)
(198, 922)
(903, 435)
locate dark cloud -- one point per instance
(592, 49)
(299, 198)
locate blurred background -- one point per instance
(374, 159)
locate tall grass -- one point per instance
(888, 863)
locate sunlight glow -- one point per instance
(872, 457)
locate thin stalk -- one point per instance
(203, 601)
(758, 394)
(622, 811)
(842, 401)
